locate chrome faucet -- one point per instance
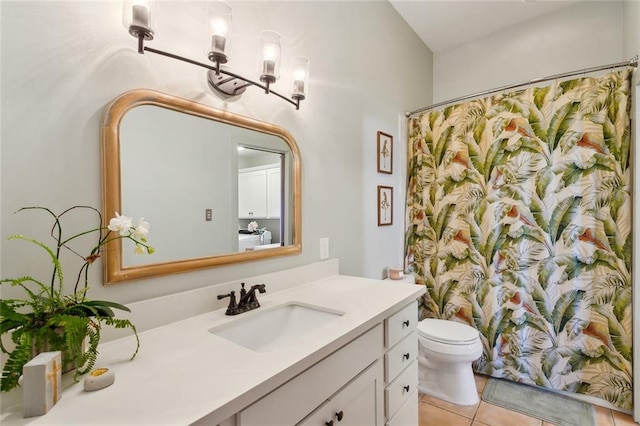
(248, 300)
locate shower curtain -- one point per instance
(519, 224)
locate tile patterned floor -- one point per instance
(435, 412)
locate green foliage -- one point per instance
(561, 122)
(566, 307)
(563, 214)
(49, 319)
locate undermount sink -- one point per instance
(267, 329)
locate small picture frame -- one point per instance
(385, 205)
(385, 153)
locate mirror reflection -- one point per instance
(260, 196)
(216, 188)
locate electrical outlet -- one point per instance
(208, 215)
(324, 248)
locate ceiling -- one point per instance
(446, 24)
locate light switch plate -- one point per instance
(324, 248)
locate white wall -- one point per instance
(631, 27)
(63, 62)
(581, 36)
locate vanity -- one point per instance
(354, 364)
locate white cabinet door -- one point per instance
(358, 403)
(273, 193)
(252, 194)
(407, 415)
(302, 395)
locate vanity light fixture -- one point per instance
(138, 18)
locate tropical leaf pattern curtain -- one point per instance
(519, 224)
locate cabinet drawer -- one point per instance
(291, 402)
(407, 415)
(401, 355)
(400, 324)
(358, 403)
(401, 389)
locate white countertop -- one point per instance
(184, 373)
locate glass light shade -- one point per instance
(269, 58)
(138, 18)
(219, 25)
(300, 75)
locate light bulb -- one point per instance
(219, 26)
(269, 52)
(299, 74)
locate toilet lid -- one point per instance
(444, 331)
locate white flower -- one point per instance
(120, 224)
(142, 230)
(253, 226)
(140, 249)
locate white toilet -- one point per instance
(446, 351)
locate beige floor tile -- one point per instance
(464, 410)
(547, 424)
(604, 416)
(477, 423)
(498, 416)
(430, 415)
(481, 380)
(621, 419)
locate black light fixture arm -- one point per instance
(217, 69)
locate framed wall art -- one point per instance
(385, 153)
(385, 205)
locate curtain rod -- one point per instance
(633, 62)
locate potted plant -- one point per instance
(50, 317)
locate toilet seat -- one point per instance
(447, 332)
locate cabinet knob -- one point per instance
(340, 415)
(406, 388)
(406, 323)
(406, 356)
(329, 423)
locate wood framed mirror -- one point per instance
(199, 176)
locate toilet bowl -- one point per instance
(446, 351)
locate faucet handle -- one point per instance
(232, 309)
